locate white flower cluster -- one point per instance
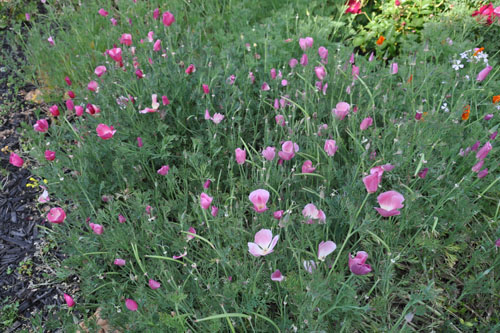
(475, 56)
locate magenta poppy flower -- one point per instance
(157, 46)
(165, 100)
(69, 301)
(163, 170)
(367, 122)
(154, 284)
(71, 94)
(269, 153)
(304, 60)
(277, 276)
(264, 243)
(278, 214)
(478, 166)
(320, 72)
(309, 266)
(484, 151)
(265, 87)
(96, 228)
(131, 304)
(484, 73)
(79, 110)
(119, 262)
(312, 214)
(325, 248)
(206, 89)
(288, 150)
(100, 70)
(341, 110)
(126, 39)
(488, 116)
(207, 184)
(390, 202)
(259, 199)
(139, 142)
(93, 86)
(357, 265)
(190, 69)
(280, 120)
(103, 12)
(307, 167)
(483, 173)
(56, 215)
(139, 74)
(51, 40)
(193, 231)
(330, 147)
(293, 63)
(105, 132)
(68, 80)
(371, 182)
(54, 110)
(41, 126)
(422, 174)
(379, 170)
(70, 105)
(323, 54)
(50, 155)
(168, 18)
(150, 36)
(306, 43)
(214, 211)
(205, 200)
(241, 156)
(121, 218)
(115, 54)
(273, 73)
(156, 13)
(113, 21)
(497, 243)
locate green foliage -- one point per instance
(8, 313)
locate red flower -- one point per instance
(353, 7)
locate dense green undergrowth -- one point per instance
(433, 267)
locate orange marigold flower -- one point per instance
(380, 40)
(466, 113)
(496, 99)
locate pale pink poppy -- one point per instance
(103, 12)
(371, 182)
(367, 122)
(309, 266)
(390, 202)
(44, 197)
(330, 147)
(217, 118)
(304, 60)
(150, 36)
(100, 70)
(280, 120)
(312, 214)
(131, 304)
(251, 77)
(154, 284)
(259, 199)
(288, 150)
(357, 264)
(278, 214)
(193, 231)
(163, 170)
(484, 73)
(50, 155)
(477, 167)
(56, 215)
(214, 211)
(69, 301)
(51, 40)
(277, 276)
(205, 200)
(96, 228)
(341, 110)
(168, 18)
(157, 46)
(325, 248)
(306, 43)
(115, 54)
(284, 83)
(113, 21)
(264, 243)
(307, 167)
(394, 68)
(119, 262)
(241, 156)
(126, 39)
(355, 71)
(293, 63)
(323, 54)
(105, 132)
(265, 86)
(379, 170)
(41, 126)
(320, 72)
(269, 153)
(93, 86)
(207, 115)
(273, 73)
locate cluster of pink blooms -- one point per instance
(488, 13)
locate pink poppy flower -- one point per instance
(341, 110)
(103, 12)
(306, 43)
(422, 174)
(105, 132)
(156, 13)
(277, 276)
(217, 118)
(16, 160)
(27, 16)
(68, 80)
(483, 173)
(193, 231)
(394, 68)
(390, 202)
(92, 109)
(311, 213)
(113, 21)
(325, 248)
(214, 211)
(100, 70)
(139, 74)
(241, 156)
(323, 54)
(54, 110)
(372, 56)
(418, 115)
(330, 147)
(478, 166)
(251, 77)
(484, 151)
(265, 87)
(70, 105)
(79, 110)
(206, 89)
(207, 115)
(51, 40)
(357, 264)
(69, 301)
(207, 184)
(284, 83)
(190, 69)
(165, 100)
(293, 63)
(96, 228)
(280, 120)
(379, 170)
(56, 215)
(367, 122)
(309, 266)
(355, 71)
(157, 46)
(168, 19)
(273, 73)
(163, 170)
(371, 182)
(131, 304)
(150, 36)
(71, 94)
(93, 86)
(121, 218)
(307, 167)
(154, 284)
(41, 126)
(288, 150)
(320, 72)
(259, 199)
(44, 197)
(115, 54)
(50, 155)
(139, 142)
(269, 153)
(205, 200)
(264, 243)
(126, 39)
(278, 214)
(304, 60)
(484, 73)
(119, 262)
